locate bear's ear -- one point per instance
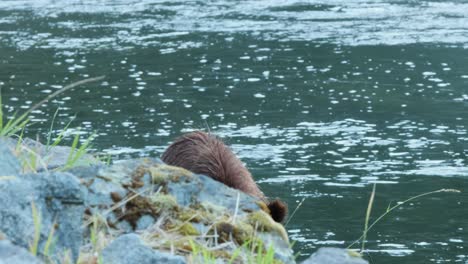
(278, 210)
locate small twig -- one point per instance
(216, 236)
(237, 208)
(185, 222)
(119, 204)
(294, 212)
(206, 236)
(68, 87)
(221, 246)
(22, 120)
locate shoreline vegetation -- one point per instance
(158, 217)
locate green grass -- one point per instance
(255, 252)
(97, 240)
(258, 253)
(37, 223)
(201, 254)
(94, 232)
(60, 136)
(30, 161)
(37, 229)
(29, 157)
(251, 252)
(49, 245)
(105, 158)
(16, 124)
(78, 150)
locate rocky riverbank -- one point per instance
(134, 211)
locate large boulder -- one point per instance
(118, 252)
(334, 256)
(59, 200)
(140, 211)
(175, 210)
(135, 211)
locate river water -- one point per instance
(321, 99)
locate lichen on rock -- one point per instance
(187, 208)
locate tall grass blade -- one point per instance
(49, 135)
(78, 152)
(366, 222)
(50, 240)
(66, 88)
(1, 110)
(61, 135)
(73, 150)
(37, 229)
(294, 212)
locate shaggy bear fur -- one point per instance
(203, 153)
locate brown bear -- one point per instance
(204, 153)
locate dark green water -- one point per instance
(321, 99)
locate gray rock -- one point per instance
(10, 253)
(62, 197)
(283, 251)
(122, 170)
(333, 256)
(130, 249)
(204, 189)
(58, 197)
(47, 158)
(9, 164)
(145, 222)
(100, 189)
(189, 191)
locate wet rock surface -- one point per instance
(334, 256)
